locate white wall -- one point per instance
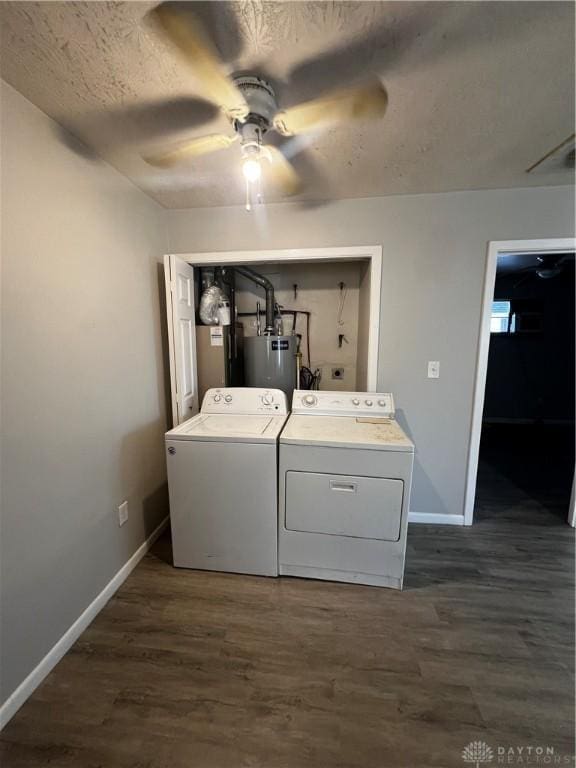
(319, 293)
(83, 404)
(434, 253)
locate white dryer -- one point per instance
(345, 477)
(222, 480)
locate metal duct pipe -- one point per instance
(263, 282)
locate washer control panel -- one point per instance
(247, 400)
(324, 403)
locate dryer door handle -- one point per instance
(343, 485)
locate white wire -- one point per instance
(341, 303)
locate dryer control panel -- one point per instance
(246, 400)
(363, 404)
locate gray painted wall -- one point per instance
(83, 404)
(83, 395)
(434, 249)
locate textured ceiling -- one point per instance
(478, 91)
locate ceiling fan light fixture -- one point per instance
(548, 273)
(252, 170)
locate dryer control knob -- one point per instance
(228, 398)
(217, 398)
(355, 401)
(368, 402)
(310, 400)
(267, 399)
(381, 403)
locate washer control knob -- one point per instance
(381, 403)
(217, 398)
(368, 402)
(267, 399)
(355, 401)
(309, 400)
(228, 398)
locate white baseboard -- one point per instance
(27, 686)
(431, 519)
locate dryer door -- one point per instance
(344, 505)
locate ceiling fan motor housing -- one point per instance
(262, 106)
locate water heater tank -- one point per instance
(270, 361)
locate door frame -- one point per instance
(495, 248)
(371, 253)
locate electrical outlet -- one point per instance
(433, 369)
(122, 513)
(338, 373)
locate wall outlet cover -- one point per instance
(122, 513)
(433, 369)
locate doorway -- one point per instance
(521, 464)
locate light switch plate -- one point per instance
(433, 369)
(123, 513)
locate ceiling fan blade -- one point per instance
(366, 101)
(189, 36)
(524, 278)
(408, 36)
(280, 171)
(185, 150)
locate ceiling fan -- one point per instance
(249, 103)
(548, 267)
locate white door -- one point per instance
(181, 337)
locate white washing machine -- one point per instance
(223, 482)
(345, 477)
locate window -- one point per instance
(500, 318)
(517, 316)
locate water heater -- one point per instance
(270, 361)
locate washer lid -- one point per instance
(346, 432)
(229, 427)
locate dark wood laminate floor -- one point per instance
(199, 670)
(526, 472)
